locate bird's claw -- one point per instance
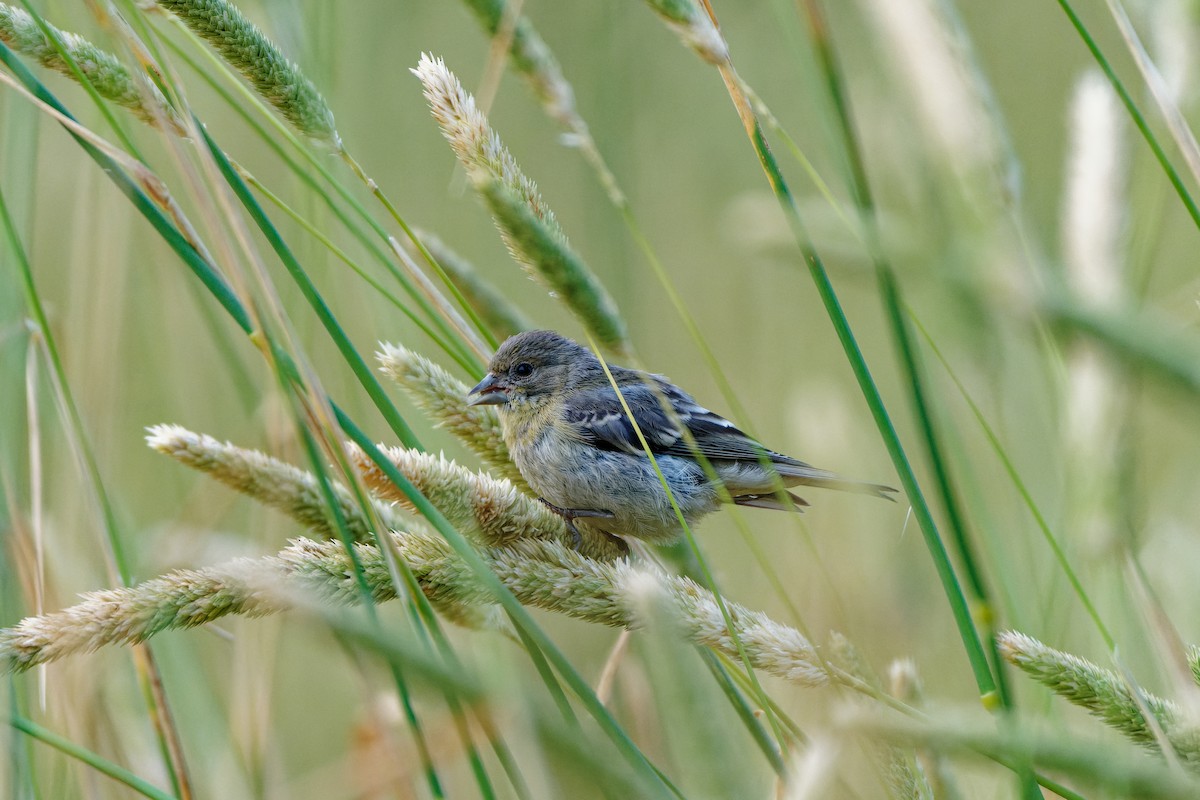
(569, 515)
(576, 536)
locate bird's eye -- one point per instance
(523, 370)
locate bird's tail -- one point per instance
(810, 476)
(772, 501)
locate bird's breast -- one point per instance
(575, 475)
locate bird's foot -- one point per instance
(569, 515)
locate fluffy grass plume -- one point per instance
(492, 512)
(526, 223)
(539, 573)
(111, 79)
(271, 482)
(1104, 694)
(443, 399)
(277, 80)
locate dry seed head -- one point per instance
(549, 575)
(539, 573)
(777, 648)
(326, 569)
(130, 615)
(527, 225)
(1102, 692)
(246, 587)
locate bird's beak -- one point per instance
(491, 392)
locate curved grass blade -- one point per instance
(1135, 113)
(103, 766)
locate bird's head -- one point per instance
(530, 369)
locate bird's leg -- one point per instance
(569, 516)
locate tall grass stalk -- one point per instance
(101, 765)
(984, 613)
(1135, 113)
(240, 314)
(946, 574)
(533, 60)
(492, 653)
(318, 165)
(1181, 133)
(147, 671)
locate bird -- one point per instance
(576, 444)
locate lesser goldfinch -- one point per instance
(570, 436)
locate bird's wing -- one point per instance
(597, 416)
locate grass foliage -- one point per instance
(932, 243)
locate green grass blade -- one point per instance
(365, 375)
(1134, 112)
(83, 755)
(1140, 340)
(761, 738)
(941, 559)
(1026, 497)
(655, 782)
(148, 675)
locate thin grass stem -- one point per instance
(953, 590)
(709, 581)
(286, 133)
(1135, 113)
(1022, 489)
(148, 675)
(85, 756)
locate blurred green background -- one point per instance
(973, 232)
